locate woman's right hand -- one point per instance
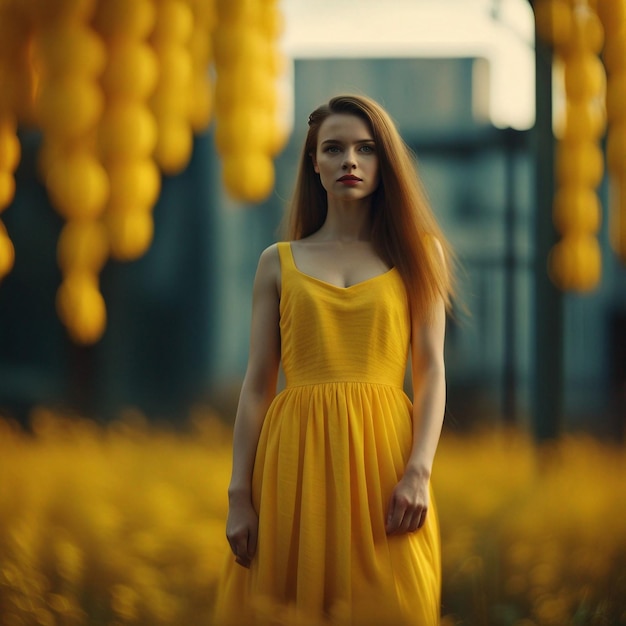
(242, 528)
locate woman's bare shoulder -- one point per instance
(269, 263)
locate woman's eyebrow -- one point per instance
(340, 141)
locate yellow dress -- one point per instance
(333, 446)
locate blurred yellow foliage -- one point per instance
(124, 524)
(532, 535)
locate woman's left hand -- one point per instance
(408, 505)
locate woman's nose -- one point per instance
(349, 162)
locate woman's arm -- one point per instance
(410, 499)
(257, 392)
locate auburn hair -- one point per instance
(405, 232)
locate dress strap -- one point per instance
(284, 254)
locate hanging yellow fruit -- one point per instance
(584, 120)
(587, 34)
(70, 291)
(45, 12)
(239, 45)
(205, 14)
(69, 107)
(49, 152)
(167, 102)
(575, 263)
(554, 21)
(16, 85)
(579, 163)
(613, 15)
(584, 76)
(132, 70)
(236, 12)
(616, 97)
(10, 148)
(200, 48)
(7, 255)
(240, 84)
(83, 245)
(576, 210)
(7, 93)
(614, 54)
(173, 93)
(174, 22)
(78, 186)
(25, 88)
(81, 307)
(201, 103)
(243, 129)
(53, 149)
(248, 177)
(175, 67)
(127, 129)
(277, 64)
(271, 21)
(135, 184)
(130, 233)
(13, 30)
(174, 145)
(134, 19)
(69, 46)
(7, 189)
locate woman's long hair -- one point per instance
(404, 230)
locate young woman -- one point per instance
(331, 519)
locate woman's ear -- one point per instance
(314, 159)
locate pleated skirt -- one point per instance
(328, 459)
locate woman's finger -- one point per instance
(417, 520)
(241, 555)
(252, 540)
(423, 517)
(395, 516)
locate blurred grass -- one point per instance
(124, 524)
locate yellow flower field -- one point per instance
(124, 524)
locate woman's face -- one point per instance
(346, 157)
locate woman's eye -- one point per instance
(367, 149)
(332, 149)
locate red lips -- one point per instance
(348, 177)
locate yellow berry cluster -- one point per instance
(68, 58)
(575, 31)
(589, 40)
(250, 129)
(12, 90)
(118, 88)
(9, 158)
(613, 16)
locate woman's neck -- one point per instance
(347, 222)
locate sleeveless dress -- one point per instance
(334, 444)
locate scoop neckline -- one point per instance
(331, 285)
